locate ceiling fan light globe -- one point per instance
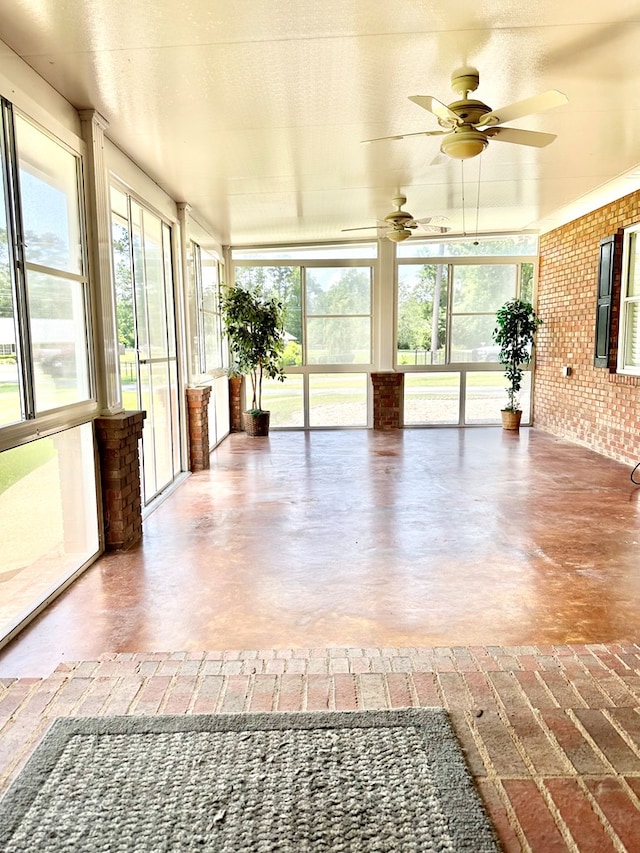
(398, 235)
(463, 146)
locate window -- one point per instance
(629, 341)
(205, 275)
(43, 282)
(448, 293)
(446, 311)
(327, 294)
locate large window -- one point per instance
(48, 519)
(44, 363)
(447, 302)
(447, 297)
(629, 344)
(327, 294)
(207, 329)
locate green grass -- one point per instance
(17, 463)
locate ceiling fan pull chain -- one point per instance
(478, 196)
(464, 227)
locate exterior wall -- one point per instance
(594, 406)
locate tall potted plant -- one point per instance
(254, 324)
(516, 324)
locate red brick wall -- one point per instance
(118, 439)
(594, 406)
(198, 415)
(388, 390)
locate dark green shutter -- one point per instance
(606, 270)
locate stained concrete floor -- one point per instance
(364, 539)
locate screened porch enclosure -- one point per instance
(426, 310)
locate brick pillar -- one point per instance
(235, 403)
(388, 392)
(198, 414)
(118, 439)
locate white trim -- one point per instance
(624, 281)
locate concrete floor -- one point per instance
(365, 539)
(494, 574)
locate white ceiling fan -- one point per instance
(400, 224)
(468, 125)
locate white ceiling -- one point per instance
(253, 111)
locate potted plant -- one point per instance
(254, 324)
(516, 324)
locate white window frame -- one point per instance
(631, 235)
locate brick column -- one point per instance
(388, 392)
(235, 403)
(198, 414)
(118, 439)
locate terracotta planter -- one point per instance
(256, 424)
(511, 420)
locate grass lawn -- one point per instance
(17, 463)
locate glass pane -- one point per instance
(339, 340)
(49, 197)
(526, 282)
(148, 456)
(431, 398)
(487, 394)
(421, 333)
(10, 402)
(211, 323)
(174, 416)
(483, 287)
(58, 335)
(284, 400)
(308, 253)
(283, 282)
(213, 351)
(505, 246)
(472, 338)
(121, 256)
(338, 399)
(632, 344)
(168, 308)
(141, 320)
(154, 283)
(338, 290)
(219, 409)
(48, 523)
(192, 277)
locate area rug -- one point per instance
(349, 781)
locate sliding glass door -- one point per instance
(147, 334)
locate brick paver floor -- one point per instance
(551, 734)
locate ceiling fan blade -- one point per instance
(405, 135)
(440, 111)
(362, 228)
(434, 221)
(534, 138)
(535, 104)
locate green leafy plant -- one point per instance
(516, 325)
(254, 324)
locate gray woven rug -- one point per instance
(354, 781)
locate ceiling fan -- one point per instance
(400, 224)
(468, 125)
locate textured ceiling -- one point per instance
(253, 111)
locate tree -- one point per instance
(516, 324)
(254, 324)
